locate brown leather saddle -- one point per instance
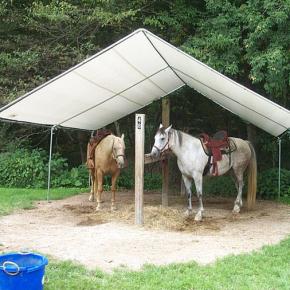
(216, 146)
(93, 143)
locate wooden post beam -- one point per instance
(139, 168)
(165, 167)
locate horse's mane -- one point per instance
(180, 135)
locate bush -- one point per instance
(29, 168)
(126, 179)
(76, 177)
(152, 181)
(222, 185)
(22, 168)
(268, 183)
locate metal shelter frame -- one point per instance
(279, 139)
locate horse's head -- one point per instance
(119, 151)
(161, 141)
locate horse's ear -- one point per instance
(122, 136)
(161, 126)
(168, 129)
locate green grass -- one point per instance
(268, 268)
(15, 198)
(285, 199)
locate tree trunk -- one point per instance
(81, 148)
(252, 133)
(117, 127)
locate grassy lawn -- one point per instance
(14, 198)
(268, 268)
(265, 269)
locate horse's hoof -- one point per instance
(236, 209)
(188, 212)
(91, 198)
(113, 208)
(198, 217)
(98, 208)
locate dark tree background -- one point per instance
(248, 41)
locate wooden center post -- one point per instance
(139, 168)
(165, 163)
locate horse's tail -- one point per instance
(252, 179)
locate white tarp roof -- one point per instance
(129, 75)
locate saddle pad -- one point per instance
(92, 144)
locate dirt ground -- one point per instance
(71, 229)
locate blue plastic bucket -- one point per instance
(22, 271)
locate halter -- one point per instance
(115, 157)
(163, 149)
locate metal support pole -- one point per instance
(279, 173)
(49, 162)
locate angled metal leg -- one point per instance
(49, 163)
(279, 173)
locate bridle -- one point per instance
(116, 156)
(163, 149)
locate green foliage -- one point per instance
(76, 177)
(29, 168)
(152, 181)
(268, 268)
(217, 41)
(126, 179)
(54, 12)
(268, 183)
(22, 168)
(222, 185)
(267, 46)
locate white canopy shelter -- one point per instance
(129, 75)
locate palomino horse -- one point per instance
(191, 160)
(109, 159)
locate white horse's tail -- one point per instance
(252, 179)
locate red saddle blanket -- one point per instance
(213, 146)
(93, 143)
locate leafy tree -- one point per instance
(246, 40)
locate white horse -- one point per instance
(191, 160)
